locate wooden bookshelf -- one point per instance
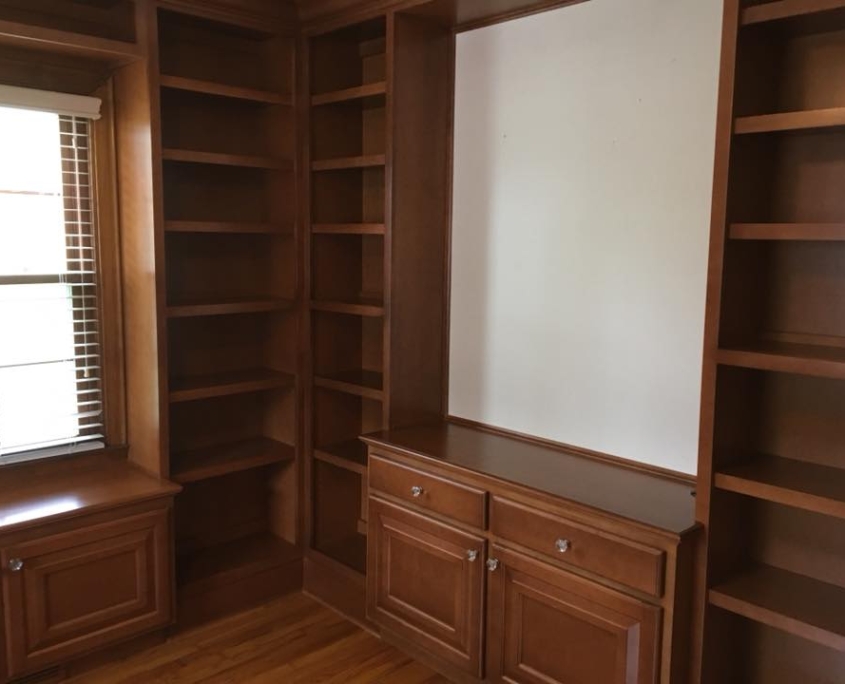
(223, 459)
(225, 384)
(377, 202)
(805, 359)
(834, 232)
(776, 10)
(227, 228)
(370, 90)
(348, 229)
(799, 605)
(791, 121)
(790, 482)
(356, 162)
(772, 473)
(187, 309)
(233, 301)
(196, 85)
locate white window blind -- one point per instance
(50, 372)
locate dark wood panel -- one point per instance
(79, 590)
(623, 561)
(426, 583)
(546, 626)
(429, 492)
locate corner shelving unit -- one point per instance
(376, 253)
(228, 150)
(772, 461)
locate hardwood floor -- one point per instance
(293, 640)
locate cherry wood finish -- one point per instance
(636, 566)
(378, 101)
(459, 15)
(617, 585)
(46, 492)
(85, 588)
(770, 460)
(612, 488)
(437, 495)
(86, 557)
(426, 584)
(225, 141)
(546, 626)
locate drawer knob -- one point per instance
(492, 564)
(472, 555)
(16, 565)
(416, 491)
(563, 545)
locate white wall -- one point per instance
(584, 141)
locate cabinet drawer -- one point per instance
(77, 590)
(456, 501)
(620, 560)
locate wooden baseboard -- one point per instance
(242, 594)
(426, 658)
(343, 591)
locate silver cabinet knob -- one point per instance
(472, 555)
(492, 564)
(16, 565)
(563, 545)
(416, 491)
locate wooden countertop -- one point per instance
(47, 491)
(638, 495)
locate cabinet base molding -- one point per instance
(426, 658)
(338, 588)
(245, 593)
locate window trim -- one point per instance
(104, 188)
(107, 227)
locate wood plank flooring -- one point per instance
(293, 640)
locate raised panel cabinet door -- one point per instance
(426, 584)
(75, 591)
(547, 626)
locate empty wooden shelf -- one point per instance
(361, 307)
(348, 229)
(791, 121)
(220, 159)
(363, 383)
(350, 94)
(223, 459)
(803, 359)
(228, 227)
(788, 231)
(800, 484)
(187, 309)
(775, 10)
(796, 604)
(233, 560)
(223, 384)
(343, 163)
(351, 455)
(196, 85)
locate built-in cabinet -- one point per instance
(486, 580)
(86, 561)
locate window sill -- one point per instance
(48, 490)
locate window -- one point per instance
(51, 360)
